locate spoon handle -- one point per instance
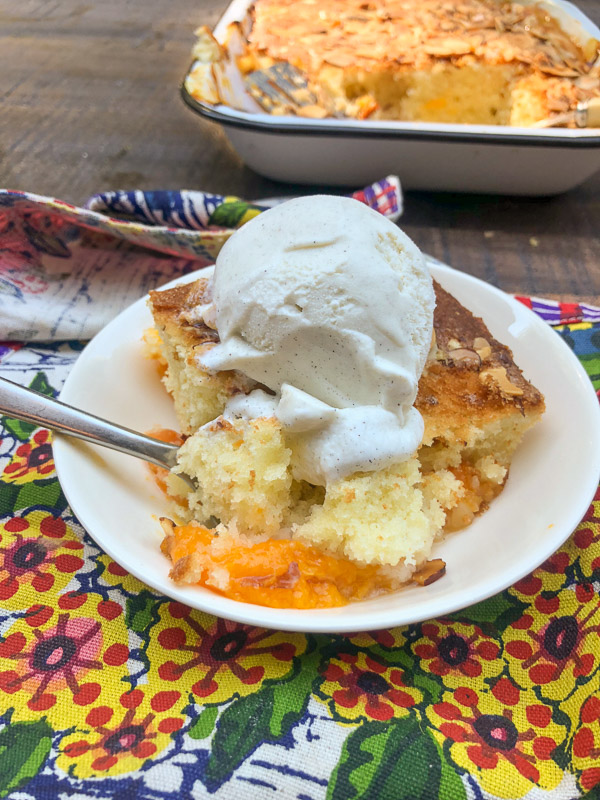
(30, 406)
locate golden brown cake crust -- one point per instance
(414, 33)
(171, 307)
(469, 372)
(183, 296)
(413, 59)
(467, 368)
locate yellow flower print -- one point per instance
(583, 707)
(357, 686)
(32, 460)
(556, 643)
(38, 553)
(505, 735)
(59, 661)
(457, 650)
(118, 738)
(394, 637)
(549, 577)
(586, 539)
(216, 659)
(115, 575)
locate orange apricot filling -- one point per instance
(478, 494)
(159, 474)
(279, 573)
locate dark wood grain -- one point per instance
(89, 101)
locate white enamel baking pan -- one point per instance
(430, 156)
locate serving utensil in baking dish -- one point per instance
(280, 85)
(586, 115)
(30, 406)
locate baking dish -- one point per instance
(430, 156)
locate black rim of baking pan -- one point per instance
(291, 129)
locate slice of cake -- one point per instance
(476, 406)
(198, 396)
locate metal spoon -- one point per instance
(30, 406)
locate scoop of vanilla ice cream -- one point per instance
(330, 306)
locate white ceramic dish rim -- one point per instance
(341, 620)
(484, 134)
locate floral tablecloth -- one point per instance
(108, 689)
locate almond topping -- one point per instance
(462, 355)
(447, 47)
(389, 35)
(312, 112)
(482, 347)
(167, 525)
(181, 570)
(499, 376)
(430, 572)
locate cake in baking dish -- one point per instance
(373, 531)
(492, 62)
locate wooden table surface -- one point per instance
(89, 101)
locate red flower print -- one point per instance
(16, 253)
(358, 686)
(124, 734)
(42, 228)
(54, 659)
(133, 737)
(25, 560)
(557, 563)
(584, 542)
(32, 459)
(211, 656)
(487, 732)
(386, 638)
(586, 743)
(565, 642)
(455, 648)
(34, 551)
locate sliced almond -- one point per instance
(466, 357)
(588, 83)
(447, 47)
(482, 347)
(430, 572)
(167, 525)
(180, 573)
(591, 48)
(339, 60)
(500, 378)
(312, 112)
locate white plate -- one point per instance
(552, 481)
